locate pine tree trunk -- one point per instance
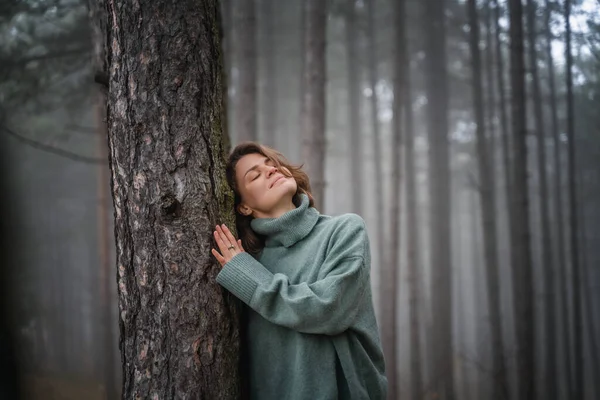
(375, 127)
(355, 141)
(488, 211)
(244, 47)
(313, 99)
(578, 359)
(179, 330)
(436, 87)
(268, 42)
(550, 374)
(522, 265)
(559, 240)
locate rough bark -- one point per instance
(559, 239)
(522, 265)
(375, 126)
(244, 47)
(179, 334)
(313, 97)
(355, 141)
(436, 88)
(550, 375)
(578, 360)
(487, 193)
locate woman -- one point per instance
(311, 331)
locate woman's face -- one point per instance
(263, 188)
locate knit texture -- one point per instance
(310, 330)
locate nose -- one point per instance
(271, 171)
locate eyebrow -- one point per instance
(255, 167)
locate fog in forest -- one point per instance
(465, 133)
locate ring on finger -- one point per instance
(231, 247)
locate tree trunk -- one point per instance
(244, 47)
(436, 87)
(520, 236)
(487, 192)
(355, 142)
(559, 240)
(578, 360)
(389, 272)
(179, 331)
(412, 240)
(504, 125)
(550, 374)
(268, 42)
(313, 99)
(591, 327)
(375, 128)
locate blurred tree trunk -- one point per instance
(375, 127)
(226, 22)
(522, 265)
(412, 240)
(179, 333)
(244, 47)
(504, 125)
(559, 240)
(591, 322)
(313, 105)
(354, 94)
(436, 86)
(487, 192)
(578, 358)
(549, 371)
(389, 272)
(270, 92)
(480, 388)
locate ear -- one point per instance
(244, 210)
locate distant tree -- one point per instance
(354, 95)
(578, 358)
(522, 264)
(313, 102)
(559, 237)
(488, 211)
(436, 89)
(244, 48)
(545, 245)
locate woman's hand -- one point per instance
(228, 246)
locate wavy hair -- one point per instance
(252, 242)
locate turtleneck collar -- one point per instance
(289, 228)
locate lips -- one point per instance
(275, 181)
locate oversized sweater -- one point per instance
(311, 332)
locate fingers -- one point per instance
(228, 235)
(222, 245)
(219, 257)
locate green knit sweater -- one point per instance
(311, 332)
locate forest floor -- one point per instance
(61, 388)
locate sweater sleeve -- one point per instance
(327, 306)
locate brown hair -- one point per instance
(252, 242)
